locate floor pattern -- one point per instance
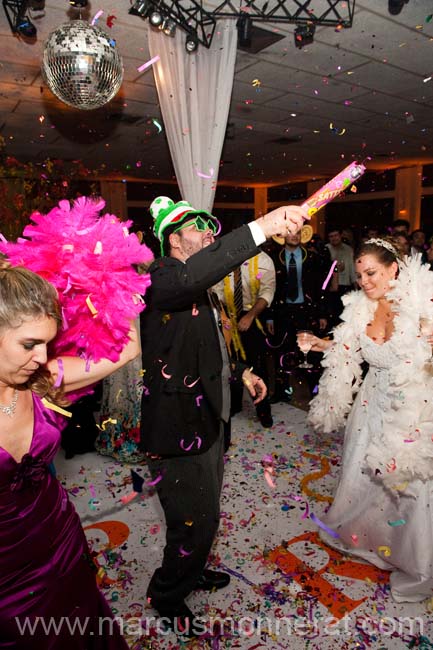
(287, 589)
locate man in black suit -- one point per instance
(299, 303)
(186, 396)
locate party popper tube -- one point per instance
(334, 187)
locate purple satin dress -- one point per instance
(46, 577)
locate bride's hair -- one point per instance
(386, 249)
(25, 295)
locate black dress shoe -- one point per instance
(266, 421)
(180, 620)
(212, 580)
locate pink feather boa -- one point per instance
(88, 258)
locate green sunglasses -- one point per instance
(200, 224)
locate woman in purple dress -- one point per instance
(48, 593)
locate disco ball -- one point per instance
(81, 65)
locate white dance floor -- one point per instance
(287, 589)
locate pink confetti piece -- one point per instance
(194, 311)
(128, 497)
(198, 400)
(165, 374)
(92, 490)
(192, 383)
(97, 16)
(219, 227)
(155, 480)
(3, 238)
(324, 526)
(197, 440)
(274, 347)
(268, 478)
(211, 172)
(183, 552)
(143, 67)
(328, 277)
(60, 374)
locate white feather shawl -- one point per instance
(403, 449)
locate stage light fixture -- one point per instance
(156, 18)
(304, 35)
(395, 6)
(17, 18)
(192, 18)
(24, 27)
(168, 26)
(191, 43)
(140, 8)
(78, 4)
(244, 26)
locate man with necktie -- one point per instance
(246, 295)
(299, 303)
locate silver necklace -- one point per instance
(10, 410)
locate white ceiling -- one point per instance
(369, 82)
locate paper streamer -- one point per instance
(324, 526)
(148, 63)
(328, 277)
(128, 497)
(96, 16)
(314, 476)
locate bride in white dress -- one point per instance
(382, 509)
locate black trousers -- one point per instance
(288, 319)
(189, 493)
(254, 343)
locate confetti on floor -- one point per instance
(287, 588)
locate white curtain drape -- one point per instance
(194, 93)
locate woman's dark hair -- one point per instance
(385, 249)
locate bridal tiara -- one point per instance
(383, 243)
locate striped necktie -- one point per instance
(237, 291)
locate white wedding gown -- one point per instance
(363, 507)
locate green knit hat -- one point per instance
(169, 215)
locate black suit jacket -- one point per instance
(180, 345)
(315, 268)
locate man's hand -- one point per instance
(245, 322)
(256, 386)
(288, 219)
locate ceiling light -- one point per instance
(191, 43)
(395, 6)
(140, 8)
(244, 26)
(168, 26)
(155, 18)
(24, 27)
(304, 35)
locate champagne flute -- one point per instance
(304, 344)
